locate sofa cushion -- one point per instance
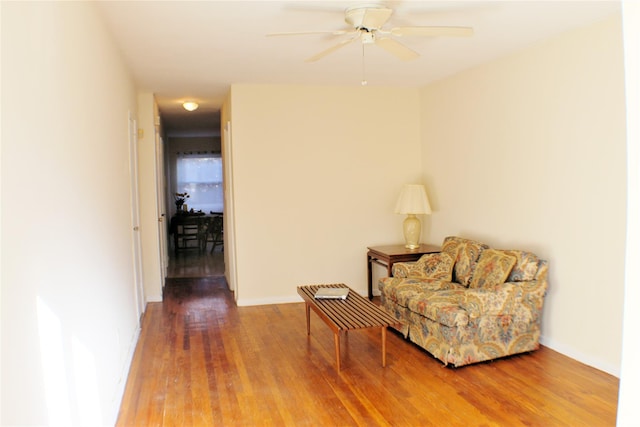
(432, 266)
(525, 268)
(493, 269)
(401, 290)
(442, 307)
(506, 299)
(466, 253)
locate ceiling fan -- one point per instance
(366, 25)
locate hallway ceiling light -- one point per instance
(190, 106)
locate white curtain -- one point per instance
(200, 175)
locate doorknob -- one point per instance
(136, 228)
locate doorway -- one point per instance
(193, 169)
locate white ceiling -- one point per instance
(195, 50)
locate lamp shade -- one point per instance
(413, 200)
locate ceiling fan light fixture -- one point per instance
(190, 105)
(367, 37)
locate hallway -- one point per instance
(192, 263)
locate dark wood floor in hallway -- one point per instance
(202, 361)
(196, 264)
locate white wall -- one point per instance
(528, 152)
(630, 371)
(317, 171)
(68, 309)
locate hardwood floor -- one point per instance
(202, 361)
(193, 263)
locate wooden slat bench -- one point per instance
(354, 312)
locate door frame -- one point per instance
(229, 211)
(138, 274)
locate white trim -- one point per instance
(154, 298)
(279, 300)
(581, 357)
(124, 374)
(268, 301)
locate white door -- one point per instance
(135, 217)
(162, 205)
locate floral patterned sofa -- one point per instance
(468, 303)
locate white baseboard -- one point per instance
(243, 302)
(124, 375)
(154, 298)
(581, 357)
(278, 300)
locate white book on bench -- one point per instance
(332, 293)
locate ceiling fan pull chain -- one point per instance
(364, 80)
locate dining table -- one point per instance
(190, 226)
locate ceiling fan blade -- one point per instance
(376, 17)
(397, 49)
(303, 33)
(332, 49)
(433, 31)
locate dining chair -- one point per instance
(187, 230)
(216, 232)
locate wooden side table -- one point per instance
(390, 254)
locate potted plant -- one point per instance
(180, 199)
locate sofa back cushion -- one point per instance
(525, 268)
(466, 253)
(438, 265)
(494, 266)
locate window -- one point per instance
(200, 175)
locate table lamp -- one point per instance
(412, 201)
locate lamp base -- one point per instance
(411, 228)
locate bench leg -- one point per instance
(306, 307)
(384, 346)
(336, 339)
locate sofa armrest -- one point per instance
(524, 299)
